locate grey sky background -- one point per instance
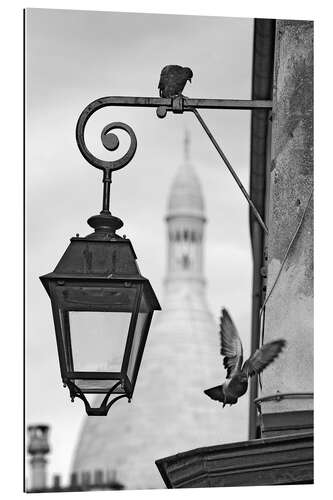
(72, 58)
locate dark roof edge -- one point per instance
(208, 466)
(262, 88)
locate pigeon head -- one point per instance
(189, 74)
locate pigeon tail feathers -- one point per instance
(216, 393)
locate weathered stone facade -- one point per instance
(289, 310)
(283, 452)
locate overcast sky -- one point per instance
(72, 58)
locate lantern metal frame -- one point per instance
(124, 382)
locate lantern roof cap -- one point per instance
(89, 259)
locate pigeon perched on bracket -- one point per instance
(173, 80)
(238, 373)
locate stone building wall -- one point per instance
(289, 310)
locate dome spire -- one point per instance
(187, 146)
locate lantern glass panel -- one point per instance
(93, 323)
(143, 319)
(98, 339)
(98, 386)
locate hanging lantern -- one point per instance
(102, 306)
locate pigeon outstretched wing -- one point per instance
(231, 345)
(263, 357)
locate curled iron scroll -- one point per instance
(110, 141)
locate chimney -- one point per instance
(56, 482)
(74, 481)
(98, 478)
(85, 479)
(38, 448)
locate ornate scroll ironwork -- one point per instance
(111, 143)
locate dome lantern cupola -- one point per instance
(185, 195)
(185, 224)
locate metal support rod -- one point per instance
(231, 170)
(106, 196)
(107, 179)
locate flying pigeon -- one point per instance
(238, 373)
(173, 79)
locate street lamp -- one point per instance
(102, 306)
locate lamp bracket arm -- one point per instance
(178, 105)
